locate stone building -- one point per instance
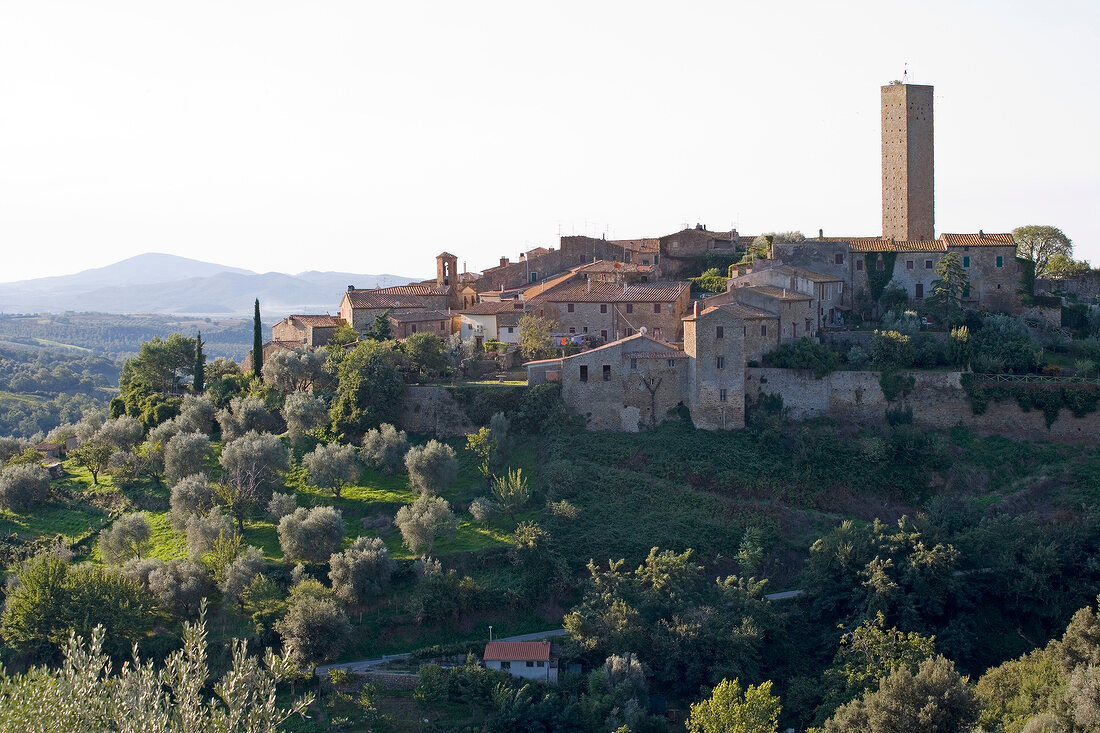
(908, 211)
(313, 331)
(406, 323)
(613, 311)
(492, 321)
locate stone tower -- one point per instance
(446, 270)
(907, 170)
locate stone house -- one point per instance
(313, 331)
(407, 323)
(529, 660)
(826, 291)
(360, 307)
(492, 321)
(613, 311)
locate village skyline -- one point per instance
(276, 138)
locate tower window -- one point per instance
(719, 332)
(966, 262)
(607, 372)
(1000, 261)
(719, 362)
(584, 373)
(721, 395)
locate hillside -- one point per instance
(167, 284)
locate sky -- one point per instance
(369, 136)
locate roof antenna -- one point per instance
(905, 74)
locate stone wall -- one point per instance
(1085, 286)
(1051, 317)
(938, 402)
(430, 410)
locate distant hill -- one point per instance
(162, 283)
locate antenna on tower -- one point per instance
(905, 74)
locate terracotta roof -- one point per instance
(540, 361)
(675, 354)
(777, 293)
(659, 292)
(490, 307)
(613, 344)
(521, 650)
(745, 312)
(324, 320)
(414, 289)
(981, 239)
(417, 316)
(609, 266)
(378, 299)
(49, 445)
(444, 254)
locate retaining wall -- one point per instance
(430, 410)
(937, 399)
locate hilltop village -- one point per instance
(647, 344)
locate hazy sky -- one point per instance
(369, 136)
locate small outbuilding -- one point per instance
(529, 660)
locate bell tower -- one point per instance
(446, 270)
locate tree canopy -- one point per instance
(1040, 243)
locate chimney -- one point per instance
(503, 261)
(980, 234)
(590, 283)
(820, 233)
(695, 308)
(351, 288)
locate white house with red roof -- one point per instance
(529, 660)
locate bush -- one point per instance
(896, 385)
(857, 356)
(385, 447)
(804, 354)
(432, 467)
(1008, 340)
(901, 415)
(958, 346)
(891, 350)
(482, 509)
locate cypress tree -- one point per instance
(199, 370)
(257, 343)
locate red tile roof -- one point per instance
(414, 289)
(673, 354)
(981, 239)
(489, 308)
(322, 321)
(660, 292)
(517, 650)
(418, 316)
(609, 266)
(377, 299)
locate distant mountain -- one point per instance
(161, 283)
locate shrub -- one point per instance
(23, 485)
(891, 350)
(900, 415)
(896, 385)
(1007, 339)
(482, 509)
(958, 346)
(804, 354)
(857, 356)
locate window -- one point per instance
(794, 330)
(671, 363)
(645, 262)
(530, 663)
(909, 264)
(656, 307)
(505, 665)
(880, 265)
(414, 328)
(585, 329)
(603, 307)
(442, 325)
(634, 365)
(607, 372)
(584, 373)
(1000, 261)
(763, 329)
(572, 330)
(919, 291)
(511, 329)
(603, 335)
(719, 362)
(928, 264)
(859, 265)
(629, 307)
(657, 333)
(966, 262)
(722, 392)
(540, 664)
(569, 307)
(966, 290)
(719, 332)
(838, 259)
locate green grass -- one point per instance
(168, 543)
(72, 521)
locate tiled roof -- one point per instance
(674, 354)
(417, 316)
(379, 299)
(517, 650)
(444, 254)
(777, 293)
(981, 239)
(745, 312)
(540, 361)
(609, 266)
(489, 308)
(315, 321)
(414, 289)
(659, 292)
(887, 245)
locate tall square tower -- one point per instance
(907, 169)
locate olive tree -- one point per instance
(311, 535)
(191, 495)
(332, 466)
(122, 433)
(385, 447)
(204, 530)
(244, 415)
(196, 414)
(251, 464)
(186, 454)
(23, 485)
(281, 505)
(296, 371)
(130, 536)
(361, 571)
(315, 626)
(94, 455)
(236, 575)
(303, 412)
(432, 467)
(423, 521)
(180, 586)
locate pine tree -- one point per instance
(199, 369)
(380, 330)
(257, 343)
